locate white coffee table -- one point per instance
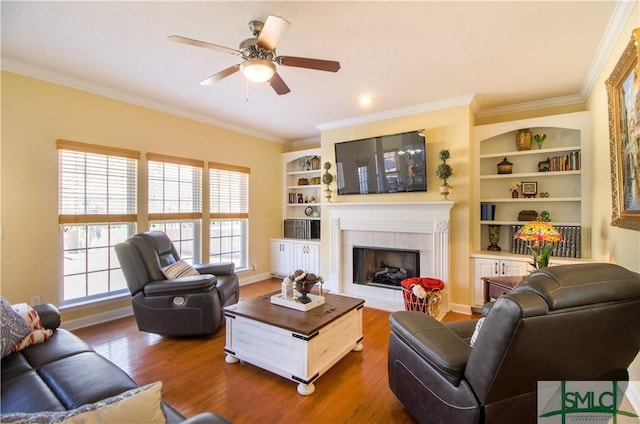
(296, 345)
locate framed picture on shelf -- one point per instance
(623, 94)
(529, 188)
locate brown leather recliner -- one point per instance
(570, 322)
(185, 306)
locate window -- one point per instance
(229, 208)
(175, 202)
(97, 209)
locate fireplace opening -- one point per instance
(384, 267)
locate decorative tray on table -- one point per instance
(278, 299)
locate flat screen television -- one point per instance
(387, 164)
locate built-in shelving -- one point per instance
(566, 192)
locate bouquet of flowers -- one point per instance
(515, 186)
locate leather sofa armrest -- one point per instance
(486, 308)
(49, 315)
(222, 268)
(443, 349)
(207, 418)
(181, 286)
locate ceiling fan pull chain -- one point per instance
(246, 96)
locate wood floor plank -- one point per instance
(196, 378)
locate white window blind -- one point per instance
(96, 185)
(228, 191)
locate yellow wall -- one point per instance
(611, 244)
(444, 129)
(36, 113)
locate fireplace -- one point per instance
(422, 227)
(384, 267)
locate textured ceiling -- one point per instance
(401, 54)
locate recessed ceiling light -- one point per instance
(365, 101)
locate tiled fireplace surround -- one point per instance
(421, 226)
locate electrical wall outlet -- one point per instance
(255, 264)
(35, 300)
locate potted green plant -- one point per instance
(444, 172)
(327, 179)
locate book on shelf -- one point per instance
(568, 247)
(567, 162)
(487, 211)
(302, 228)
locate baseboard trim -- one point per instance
(255, 278)
(95, 319)
(460, 308)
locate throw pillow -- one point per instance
(474, 336)
(141, 405)
(14, 327)
(38, 333)
(178, 269)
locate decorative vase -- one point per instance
(494, 238)
(327, 194)
(304, 287)
(514, 194)
(444, 191)
(543, 257)
(523, 139)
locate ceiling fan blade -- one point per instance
(271, 32)
(279, 85)
(220, 75)
(303, 62)
(198, 43)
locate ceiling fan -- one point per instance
(259, 54)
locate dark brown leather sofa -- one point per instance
(64, 373)
(572, 322)
(185, 306)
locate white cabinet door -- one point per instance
(306, 257)
(510, 268)
(281, 257)
(482, 268)
(487, 267)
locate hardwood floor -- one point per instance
(196, 378)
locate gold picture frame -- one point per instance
(623, 93)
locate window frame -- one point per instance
(240, 214)
(195, 217)
(88, 220)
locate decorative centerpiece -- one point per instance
(303, 282)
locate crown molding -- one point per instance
(527, 106)
(620, 16)
(101, 90)
(396, 113)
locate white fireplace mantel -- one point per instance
(422, 226)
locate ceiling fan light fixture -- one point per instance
(258, 70)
